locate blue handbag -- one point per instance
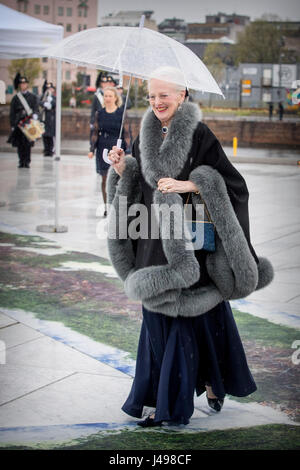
(202, 232)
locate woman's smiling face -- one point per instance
(164, 99)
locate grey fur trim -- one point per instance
(187, 303)
(219, 269)
(160, 157)
(265, 273)
(118, 189)
(128, 185)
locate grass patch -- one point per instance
(258, 329)
(264, 437)
(21, 240)
(87, 317)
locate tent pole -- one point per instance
(57, 138)
(56, 227)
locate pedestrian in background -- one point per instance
(280, 110)
(72, 102)
(24, 104)
(48, 116)
(270, 110)
(105, 133)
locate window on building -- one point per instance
(22, 5)
(84, 26)
(45, 59)
(37, 9)
(79, 27)
(45, 74)
(82, 10)
(68, 75)
(69, 11)
(60, 11)
(69, 28)
(46, 9)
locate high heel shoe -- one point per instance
(215, 403)
(149, 423)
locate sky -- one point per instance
(195, 10)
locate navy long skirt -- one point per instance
(178, 356)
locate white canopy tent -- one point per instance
(22, 36)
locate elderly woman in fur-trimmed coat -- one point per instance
(189, 341)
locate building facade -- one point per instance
(74, 16)
(129, 18)
(175, 28)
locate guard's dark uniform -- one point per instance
(17, 138)
(48, 111)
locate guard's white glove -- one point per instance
(47, 105)
(35, 116)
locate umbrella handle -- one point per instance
(105, 152)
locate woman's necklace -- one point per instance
(164, 129)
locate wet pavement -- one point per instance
(52, 377)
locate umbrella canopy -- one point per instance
(23, 36)
(134, 51)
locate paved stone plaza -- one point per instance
(57, 383)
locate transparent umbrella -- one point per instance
(134, 51)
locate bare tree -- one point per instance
(30, 68)
(260, 42)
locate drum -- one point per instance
(32, 128)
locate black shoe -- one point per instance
(21, 165)
(26, 165)
(149, 423)
(105, 214)
(215, 403)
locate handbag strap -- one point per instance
(24, 103)
(205, 208)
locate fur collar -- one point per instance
(161, 158)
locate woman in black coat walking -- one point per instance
(189, 340)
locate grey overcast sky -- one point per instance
(195, 10)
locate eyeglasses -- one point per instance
(161, 97)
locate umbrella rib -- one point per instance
(119, 55)
(182, 69)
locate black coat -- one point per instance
(17, 111)
(49, 116)
(205, 150)
(96, 106)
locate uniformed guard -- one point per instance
(48, 112)
(23, 105)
